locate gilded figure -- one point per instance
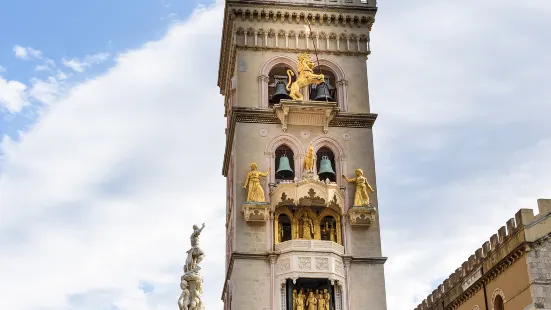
(280, 231)
(306, 76)
(312, 301)
(332, 232)
(327, 298)
(310, 159)
(361, 197)
(295, 295)
(322, 302)
(307, 227)
(301, 299)
(256, 193)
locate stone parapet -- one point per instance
(510, 242)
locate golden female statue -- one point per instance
(361, 197)
(322, 302)
(307, 227)
(311, 302)
(310, 159)
(305, 77)
(327, 298)
(300, 300)
(295, 299)
(256, 193)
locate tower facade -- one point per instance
(302, 222)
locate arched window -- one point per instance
(284, 163)
(284, 229)
(326, 91)
(328, 229)
(277, 82)
(498, 303)
(325, 163)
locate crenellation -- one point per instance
(518, 230)
(502, 233)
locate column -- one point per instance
(273, 290)
(346, 293)
(270, 233)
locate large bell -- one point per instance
(325, 166)
(284, 170)
(323, 92)
(281, 92)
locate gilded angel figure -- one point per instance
(361, 197)
(310, 159)
(256, 193)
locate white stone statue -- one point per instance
(192, 281)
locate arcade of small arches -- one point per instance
(274, 78)
(307, 223)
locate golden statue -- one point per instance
(256, 193)
(322, 302)
(280, 231)
(300, 300)
(310, 159)
(327, 298)
(295, 299)
(311, 302)
(307, 227)
(361, 197)
(305, 77)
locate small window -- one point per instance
(284, 229)
(498, 303)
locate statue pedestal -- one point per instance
(308, 113)
(256, 211)
(363, 216)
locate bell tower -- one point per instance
(302, 217)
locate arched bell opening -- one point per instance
(326, 91)
(328, 228)
(284, 228)
(284, 164)
(325, 163)
(277, 84)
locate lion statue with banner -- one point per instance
(305, 77)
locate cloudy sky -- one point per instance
(112, 138)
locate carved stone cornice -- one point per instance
(268, 116)
(307, 113)
(369, 260)
(314, 12)
(301, 50)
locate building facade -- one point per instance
(511, 271)
(299, 234)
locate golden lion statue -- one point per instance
(305, 77)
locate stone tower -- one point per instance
(299, 234)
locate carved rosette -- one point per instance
(256, 212)
(364, 216)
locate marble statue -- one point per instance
(307, 227)
(306, 77)
(256, 193)
(192, 281)
(310, 159)
(311, 302)
(361, 197)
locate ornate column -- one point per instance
(255, 33)
(286, 40)
(342, 91)
(347, 43)
(344, 229)
(270, 233)
(346, 292)
(299, 160)
(358, 42)
(263, 90)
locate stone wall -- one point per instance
(250, 287)
(539, 273)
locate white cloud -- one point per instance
(26, 53)
(80, 65)
(3, 69)
(12, 95)
(118, 168)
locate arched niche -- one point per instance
(326, 157)
(329, 91)
(284, 154)
(330, 218)
(275, 66)
(340, 81)
(292, 143)
(283, 228)
(298, 223)
(338, 150)
(498, 299)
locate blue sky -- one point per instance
(101, 103)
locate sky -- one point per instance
(112, 140)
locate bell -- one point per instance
(325, 166)
(323, 91)
(284, 169)
(281, 92)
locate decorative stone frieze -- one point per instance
(308, 113)
(307, 192)
(256, 212)
(297, 264)
(362, 216)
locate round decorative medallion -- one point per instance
(263, 132)
(305, 134)
(346, 136)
